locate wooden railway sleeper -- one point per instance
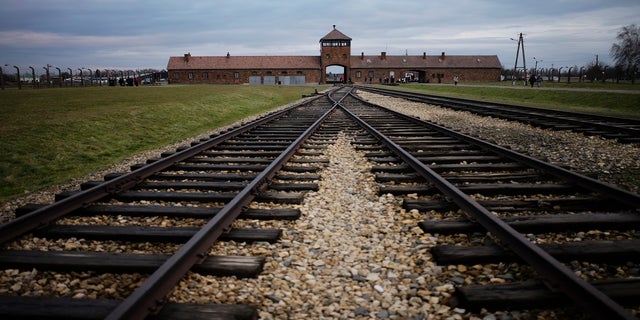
(166, 276)
(555, 273)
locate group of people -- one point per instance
(130, 82)
(535, 79)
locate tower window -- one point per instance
(336, 43)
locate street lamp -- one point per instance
(569, 77)
(560, 74)
(48, 77)
(535, 69)
(580, 80)
(18, 77)
(81, 77)
(59, 76)
(70, 76)
(90, 77)
(33, 76)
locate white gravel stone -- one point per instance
(597, 157)
(352, 255)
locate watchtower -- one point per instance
(335, 49)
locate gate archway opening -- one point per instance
(414, 76)
(335, 74)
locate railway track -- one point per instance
(473, 188)
(208, 185)
(501, 191)
(618, 129)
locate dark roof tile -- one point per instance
(453, 61)
(243, 62)
(335, 35)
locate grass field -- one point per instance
(595, 98)
(50, 136)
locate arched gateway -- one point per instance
(335, 50)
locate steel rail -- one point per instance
(148, 297)
(556, 275)
(594, 185)
(49, 213)
(584, 119)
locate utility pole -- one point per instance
(524, 61)
(597, 69)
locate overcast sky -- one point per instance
(144, 34)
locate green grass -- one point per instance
(574, 97)
(50, 136)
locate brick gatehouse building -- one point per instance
(335, 49)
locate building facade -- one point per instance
(335, 50)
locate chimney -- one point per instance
(442, 56)
(228, 55)
(383, 55)
(362, 56)
(187, 56)
(424, 55)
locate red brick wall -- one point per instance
(229, 76)
(431, 75)
(337, 56)
(464, 75)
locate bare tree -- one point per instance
(627, 51)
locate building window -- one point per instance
(205, 75)
(328, 56)
(217, 76)
(344, 56)
(190, 75)
(176, 75)
(236, 75)
(336, 43)
(370, 74)
(358, 74)
(284, 72)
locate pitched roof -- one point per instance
(473, 61)
(243, 62)
(189, 62)
(335, 35)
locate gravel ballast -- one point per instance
(356, 255)
(599, 158)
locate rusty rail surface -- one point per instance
(622, 130)
(556, 275)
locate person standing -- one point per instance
(532, 80)
(455, 80)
